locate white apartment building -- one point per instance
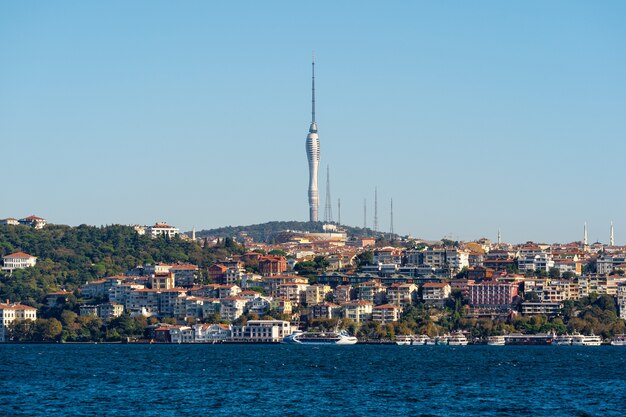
(267, 331)
(358, 311)
(162, 229)
(18, 260)
(621, 300)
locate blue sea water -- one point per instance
(292, 380)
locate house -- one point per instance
(211, 333)
(386, 313)
(9, 221)
(18, 260)
(33, 221)
(272, 265)
(11, 312)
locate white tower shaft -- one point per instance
(313, 156)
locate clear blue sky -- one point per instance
(470, 115)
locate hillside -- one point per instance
(266, 232)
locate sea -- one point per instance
(295, 380)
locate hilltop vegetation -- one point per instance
(70, 256)
(268, 232)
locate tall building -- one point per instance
(313, 155)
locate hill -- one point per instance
(267, 232)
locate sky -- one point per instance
(472, 116)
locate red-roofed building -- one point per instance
(18, 260)
(386, 313)
(33, 221)
(11, 312)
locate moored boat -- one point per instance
(320, 338)
(619, 340)
(584, 340)
(528, 339)
(496, 341)
(457, 339)
(404, 339)
(562, 340)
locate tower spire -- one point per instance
(585, 235)
(612, 237)
(313, 89)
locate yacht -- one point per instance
(583, 340)
(320, 338)
(420, 340)
(415, 340)
(563, 340)
(496, 341)
(457, 339)
(619, 340)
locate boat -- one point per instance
(442, 340)
(529, 339)
(496, 341)
(404, 339)
(320, 338)
(619, 340)
(457, 339)
(414, 340)
(562, 340)
(584, 340)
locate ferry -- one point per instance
(496, 341)
(414, 340)
(619, 340)
(563, 340)
(404, 340)
(320, 338)
(529, 339)
(457, 339)
(583, 340)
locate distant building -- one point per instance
(262, 331)
(18, 260)
(436, 293)
(386, 313)
(10, 221)
(33, 221)
(12, 312)
(492, 295)
(162, 229)
(358, 311)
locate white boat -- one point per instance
(442, 340)
(404, 339)
(562, 340)
(320, 338)
(420, 340)
(496, 341)
(583, 340)
(457, 339)
(619, 340)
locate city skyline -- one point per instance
(473, 118)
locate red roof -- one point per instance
(19, 255)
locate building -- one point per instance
(358, 311)
(386, 313)
(186, 275)
(316, 294)
(272, 265)
(436, 293)
(313, 156)
(401, 294)
(262, 331)
(12, 312)
(10, 221)
(33, 221)
(492, 295)
(372, 291)
(621, 300)
(18, 260)
(162, 229)
(542, 308)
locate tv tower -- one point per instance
(313, 154)
(585, 235)
(612, 236)
(339, 211)
(328, 209)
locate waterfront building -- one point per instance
(550, 309)
(211, 333)
(621, 300)
(18, 260)
(12, 312)
(262, 331)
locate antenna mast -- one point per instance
(328, 209)
(376, 209)
(392, 218)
